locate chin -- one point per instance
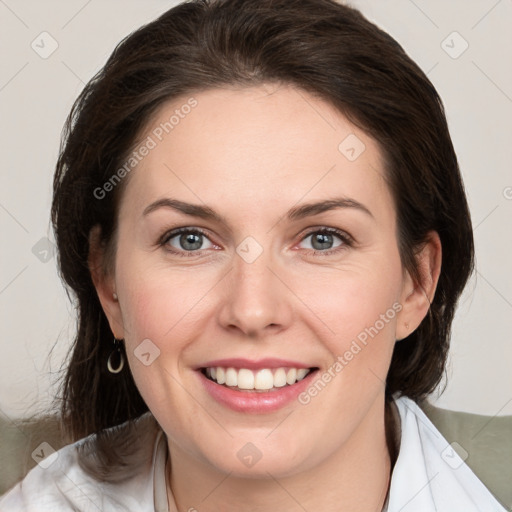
(259, 458)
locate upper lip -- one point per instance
(268, 362)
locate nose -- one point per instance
(256, 299)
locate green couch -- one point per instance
(487, 441)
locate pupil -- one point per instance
(192, 239)
(322, 239)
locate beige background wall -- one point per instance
(470, 68)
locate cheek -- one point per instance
(348, 301)
(158, 303)
(143, 314)
(162, 311)
(357, 318)
(356, 309)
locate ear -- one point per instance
(417, 296)
(104, 282)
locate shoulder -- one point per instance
(84, 477)
(429, 474)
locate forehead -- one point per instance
(254, 149)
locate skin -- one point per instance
(251, 154)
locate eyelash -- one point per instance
(347, 240)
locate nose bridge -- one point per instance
(255, 298)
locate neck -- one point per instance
(354, 478)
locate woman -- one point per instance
(259, 209)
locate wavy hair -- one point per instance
(320, 46)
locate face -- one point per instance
(252, 279)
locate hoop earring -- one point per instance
(116, 354)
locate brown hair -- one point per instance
(320, 46)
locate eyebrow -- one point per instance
(295, 213)
(309, 209)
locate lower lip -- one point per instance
(255, 401)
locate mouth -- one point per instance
(261, 380)
(257, 387)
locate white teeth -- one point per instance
(291, 376)
(220, 375)
(231, 377)
(280, 378)
(263, 379)
(245, 379)
(301, 373)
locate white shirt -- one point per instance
(428, 476)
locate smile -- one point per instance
(255, 386)
(245, 379)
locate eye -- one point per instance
(328, 240)
(185, 240)
(190, 241)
